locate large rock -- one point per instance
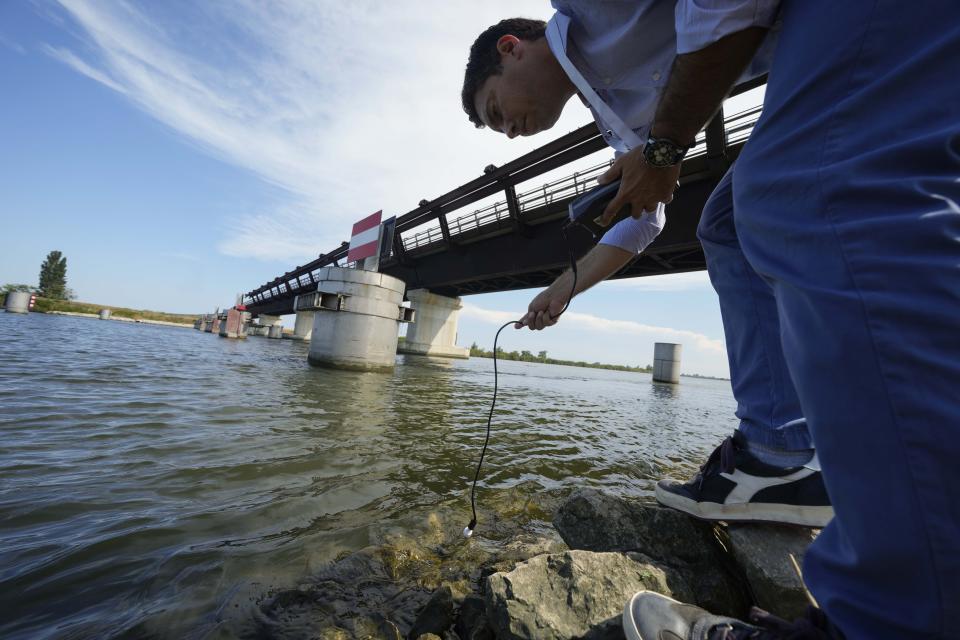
(526, 545)
(597, 521)
(763, 552)
(575, 594)
(436, 616)
(472, 620)
(354, 596)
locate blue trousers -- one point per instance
(847, 202)
(767, 403)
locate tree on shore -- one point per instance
(53, 276)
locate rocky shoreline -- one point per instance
(568, 581)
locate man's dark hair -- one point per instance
(484, 60)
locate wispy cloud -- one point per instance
(669, 282)
(487, 315)
(347, 108)
(589, 322)
(68, 58)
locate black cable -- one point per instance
(468, 531)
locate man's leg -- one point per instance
(765, 478)
(767, 403)
(847, 199)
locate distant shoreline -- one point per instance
(526, 356)
(123, 314)
(96, 316)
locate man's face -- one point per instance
(526, 97)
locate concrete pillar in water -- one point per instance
(215, 325)
(104, 314)
(234, 324)
(303, 325)
(666, 362)
(264, 326)
(17, 302)
(357, 319)
(434, 332)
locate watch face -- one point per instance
(663, 153)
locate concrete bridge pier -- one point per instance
(666, 362)
(233, 325)
(269, 326)
(356, 322)
(257, 330)
(17, 302)
(434, 333)
(303, 325)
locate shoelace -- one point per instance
(724, 455)
(812, 626)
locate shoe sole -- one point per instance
(750, 512)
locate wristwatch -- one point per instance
(661, 152)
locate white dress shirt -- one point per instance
(619, 54)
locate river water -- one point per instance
(159, 482)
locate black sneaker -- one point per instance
(651, 616)
(735, 486)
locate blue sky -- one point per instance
(179, 153)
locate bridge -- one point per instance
(443, 248)
(515, 243)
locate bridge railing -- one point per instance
(738, 128)
(560, 189)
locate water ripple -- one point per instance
(149, 475)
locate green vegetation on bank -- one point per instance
(541, 357)
(45, 305)
(53, 294)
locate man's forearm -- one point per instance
(699, 82)
(600, 263)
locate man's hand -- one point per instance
(600, 263)
(641, 186)
(545, 308)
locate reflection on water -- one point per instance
(159, 481)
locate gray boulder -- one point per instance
(436, 616)
(575, 594)
(596, 521)
(472, 620)
(763, 552)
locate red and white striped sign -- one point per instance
(365, 237)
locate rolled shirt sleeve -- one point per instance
(700, 23)
(635, 234)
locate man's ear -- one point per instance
(509, 45)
